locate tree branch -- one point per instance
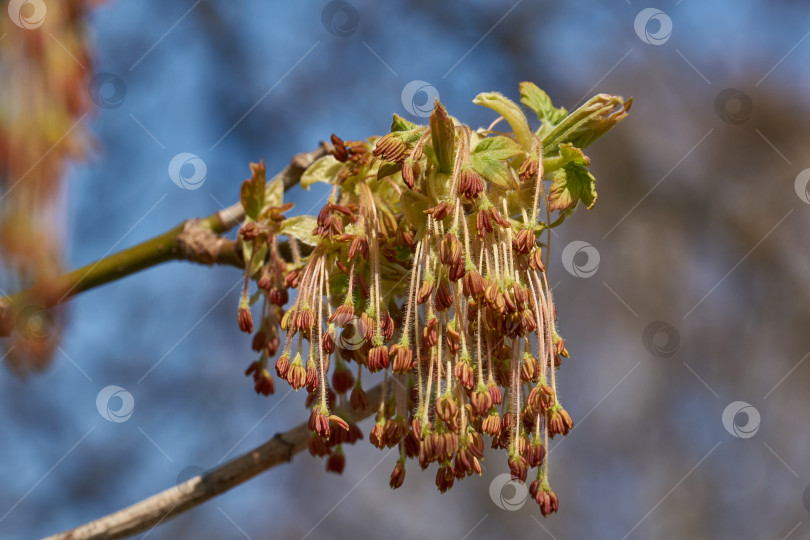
(196, 240)
(167, 504)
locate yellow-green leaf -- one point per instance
(324, 170)
(511, 113)
(443, 137)
(587, 123)
(538, 101)
(571, 184)
(275, 193)
(302, 229)
(252, 191)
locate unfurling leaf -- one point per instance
(443, 137)
(510, 112)
(401, 124)
(572, 181)
(499, 147)
(538, 101)
(275, 193)
(301, 228)
(588, 123)
(323, 170)
(252, 192)
(257, 261)
(488, 159)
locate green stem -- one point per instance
(195, 240)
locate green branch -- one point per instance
(196, 240)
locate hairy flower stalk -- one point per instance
(426, 264)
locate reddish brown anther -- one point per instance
(470, 184)
(342, 315)
(245, 320)
(340, 152)
(336, 463)
(401, 358)
(397, 475)
(491, 424)
(445, 478)
(358, 398)
(296, 374)
(377, 436)
(312, 380)
(480, 400)
(425, 291)
(524, 241)
(464, 371)
(536, 260)
(444, 296)
(518, 467)
(407, 173)
(528, 169)
(378, 358)
(430, 333)
(535, 453)
(559, 421)
(441, 210)
(474, 284)
(483, 223)
(359, 246)
(395, 430)
(317, 446)
(342, 379)
(319, 422)
(283, 365)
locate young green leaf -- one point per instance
(587, 123)
(323, 170)
(572, 181)
(538, 101)
(257, 261)
(498, 147)
(569, 155)
(510, 112)
(489, 155)
(493, 170)
(387, 169)
(401, 124)
(252, 192)
(275, 193)
(301, 228)
(443, 137)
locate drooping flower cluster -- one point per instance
(426, 264)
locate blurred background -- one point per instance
(685, 305)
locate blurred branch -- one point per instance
(167, 504)
(196, 240)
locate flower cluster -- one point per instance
(427, 264)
